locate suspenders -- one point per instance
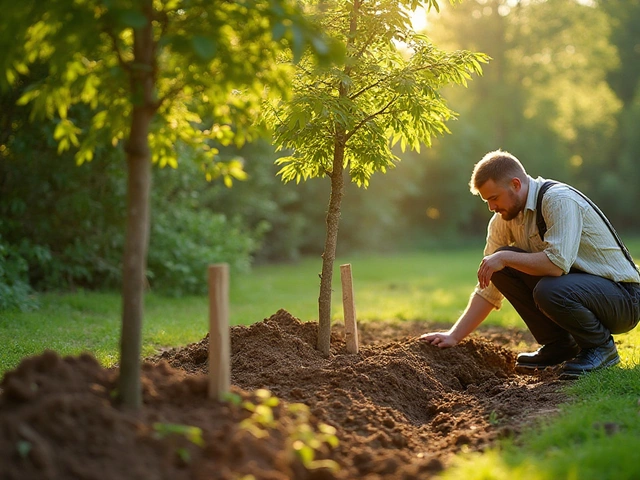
(542, 226)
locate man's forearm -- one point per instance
(536, 264)
(476, 312)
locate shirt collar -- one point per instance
(532, 195)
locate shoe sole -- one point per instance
(573, 375)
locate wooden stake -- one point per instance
(349, 308)
(219, 349)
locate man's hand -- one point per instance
(490, 264)
(439, 339)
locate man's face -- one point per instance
(503, 199)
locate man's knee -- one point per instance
(548, 293)
(502, 277)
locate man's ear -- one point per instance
(516, 183)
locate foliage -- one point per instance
(624, 17)
(424, 202)
(191, 433)
(544, 97)
(188, 432)
(279, 217)
(88, 50)
(184, 242)
(65, 221)
(78, 244)
(15, 292)
(393, 94)
(303, 438)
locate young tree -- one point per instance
(157, 73)
(346, 119)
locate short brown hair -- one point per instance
(498, 166)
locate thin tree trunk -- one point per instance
(133, 271)
(330, 245)
(138, 215)
(333, 212)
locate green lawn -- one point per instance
(430, 285)
(596, 436)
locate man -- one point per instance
(573, 289)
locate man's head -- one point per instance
(501, 180)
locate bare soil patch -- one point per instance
(401, 409)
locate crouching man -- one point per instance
(556, 258)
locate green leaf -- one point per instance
(305, 452)
(204, 47)
(132, 19)
(298, 43)
(320, 45)
(193, 434)
(278, 31)
(29, 95)
(232, 398)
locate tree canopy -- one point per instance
(209, 65)
(388, 92)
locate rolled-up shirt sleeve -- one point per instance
(564, 219)
(498, 235)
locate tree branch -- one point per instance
(170, 94)
(365, 45)
(388, 77)
(369, 87)
(369, 117)
(114, 40)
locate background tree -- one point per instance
(158, 74)
(346, 119)
(548, 102)
(619, 187)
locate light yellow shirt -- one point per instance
(576, 237)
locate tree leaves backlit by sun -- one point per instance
(349, 117)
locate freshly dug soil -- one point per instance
(400, 409)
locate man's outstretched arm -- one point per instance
(478, 309)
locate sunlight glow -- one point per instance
(419, 19)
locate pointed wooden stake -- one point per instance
(349, 308)
(219, 343)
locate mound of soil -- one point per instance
(399, 409)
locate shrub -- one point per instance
(15, 291)
(185, 241)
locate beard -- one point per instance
(512, 212)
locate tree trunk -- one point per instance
(134, 268)
(335, 202)
(138, 215)
(330, 245)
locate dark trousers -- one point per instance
(586, 307)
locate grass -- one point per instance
(432, 286)
(595, 436)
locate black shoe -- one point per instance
(590, 359)
(548, 355)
